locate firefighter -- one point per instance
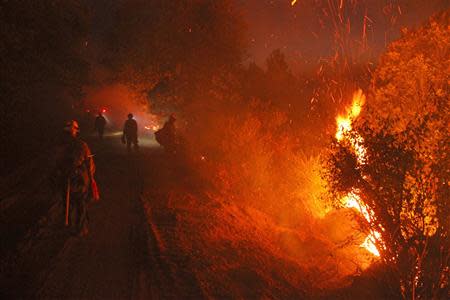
(130, 136)
(100, 123)
(166, 136)
(170, 126)
(75, 171)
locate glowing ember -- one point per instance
(353, 200)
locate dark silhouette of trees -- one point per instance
(187, 45)
(43, 68)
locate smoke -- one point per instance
(116, 101)
(255, 136)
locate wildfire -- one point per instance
(152, 127)
(344, 123)
(353, 200)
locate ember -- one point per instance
(225, 184)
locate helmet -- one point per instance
(130, 115)
(72, 125)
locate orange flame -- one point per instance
(353, 200)
(344, 123)
(293, 2)
(151, 127)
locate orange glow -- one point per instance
(369, 243)
(344, 123)
(117, 101)
(151, 127)
(353, 200)
(293, 2)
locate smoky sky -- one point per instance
(309, 31)
(306, 32)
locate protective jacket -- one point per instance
(75, 172)
(130, 129)
(75, 163)
(100, 123)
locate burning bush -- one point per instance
(394, 161)
(252, 157)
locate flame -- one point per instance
(151, 127)
(293, 2)
(344, 123)
(344, 126)
(370, 243)
(353, 200)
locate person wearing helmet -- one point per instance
(130, 136)
(100, 123)
(75, 173)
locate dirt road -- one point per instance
(111, 262)
(157, 233)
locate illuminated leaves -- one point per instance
(413, 68)
(405, 131)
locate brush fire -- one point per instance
(353, 200)
(234, 149)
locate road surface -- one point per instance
(111, 262)
(158, 232)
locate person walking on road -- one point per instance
(75, 172)
(130, 136)
(100, 123)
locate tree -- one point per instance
(283, 84)
(43, 59)
(185, 44)
(403, 180)
(414, 68)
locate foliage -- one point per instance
(175, 47)
(414, 68)
(404, 179)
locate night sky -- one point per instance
(306, 31)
